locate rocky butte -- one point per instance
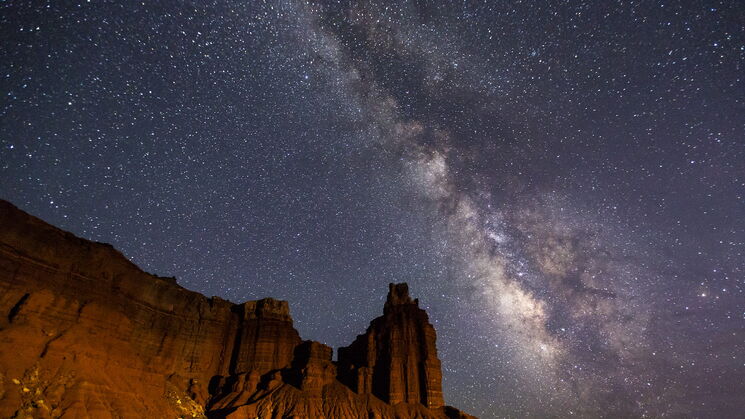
(86, 333)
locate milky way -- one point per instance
(562, 185)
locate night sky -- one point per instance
(562, 184)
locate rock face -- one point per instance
(86, 333)
(265, 340)
(396, 359)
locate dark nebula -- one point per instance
(562, 184)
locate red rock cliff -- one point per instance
(86, 333)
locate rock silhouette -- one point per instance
(86, 333)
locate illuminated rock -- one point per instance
(86, 333)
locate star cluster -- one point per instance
(561, 183)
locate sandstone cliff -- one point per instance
(86, 333)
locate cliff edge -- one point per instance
(86, 333)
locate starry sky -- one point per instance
(561, 183)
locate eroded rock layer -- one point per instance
(86, 333)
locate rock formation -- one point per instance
(86, 333)
(396, 359)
